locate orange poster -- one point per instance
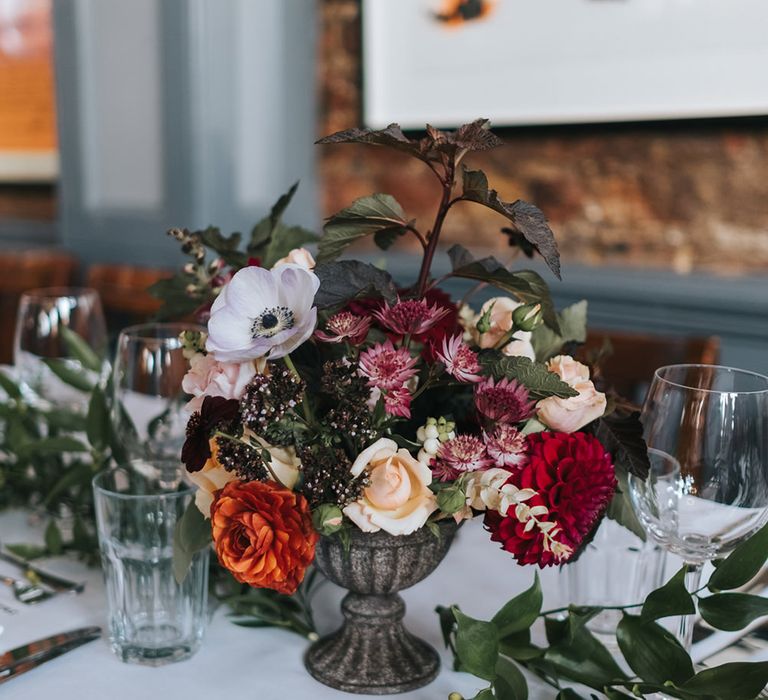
(27, 98)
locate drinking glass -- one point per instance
(42, 318)
(707, 490)
(148, 406)
(153, 620)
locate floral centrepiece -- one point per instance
(326, 396)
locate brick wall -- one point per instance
(687, 196)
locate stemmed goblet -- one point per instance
(707, 491)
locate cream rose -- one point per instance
(298, 256)
(568, 415)
(397, 498)
(501, 324)
(284, 463)
(209, 377)
(210, 479)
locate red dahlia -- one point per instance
(574, 478)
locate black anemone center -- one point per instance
(268, 321)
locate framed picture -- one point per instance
(28, 145)
(521, 62)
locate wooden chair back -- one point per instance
(22, 270)
(635, 357)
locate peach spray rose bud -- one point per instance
(298, 256)
(568, 415)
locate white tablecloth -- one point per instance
(258, 664)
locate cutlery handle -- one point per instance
(56, 582)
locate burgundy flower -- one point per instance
(344, 326)
(504, 402)
(460, 362)
(507, 446)
(387, 367)
(410, 317)
(574, 479)
(216, 411)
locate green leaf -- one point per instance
(509, 683)
(526, 218)
(485, 694)
(620, 508)
(569, 694)
(28, 552)
(573, 329)
(53, 540)
(734, 681)
(365, 216)
(539, 381)
(344, 280)
(74, 377)
(518, 646)
(652, 652)
(451, 500)
(671, 599)
(98, 421)
(53, 445)
(742, 564)
(732, 611)
(9, 386)
(391, 137)
(78, 348)
(284, 240)
(76, 473)
(622, 436)
(262, 231)
(520, 612)
(65, 420)
(191, 535)
(226, 247)
(526, 285)
(477, 645)
(447, 624)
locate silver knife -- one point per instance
(25, 658)
(58, 583)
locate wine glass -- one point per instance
(46, 322)
(148, 401)
(707, 490)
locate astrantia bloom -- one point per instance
(460, 362)
(263, 534)
(410, 317)
(504, 402)
(464, 453)
(344, 326)
(386, 367)
(398, 402)
(574, 480)
(507, 446)
(263, 313)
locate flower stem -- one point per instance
(289, 364)
(305, 405)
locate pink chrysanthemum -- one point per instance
(344, 326)
(410, 317)
(504, 402)
(398, 402)
(464, 453)
(387, 367)
(507, 446)
(460, 362)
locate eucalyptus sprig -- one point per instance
(496, 650)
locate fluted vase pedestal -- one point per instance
(372, 653)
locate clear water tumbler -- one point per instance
(153, 620)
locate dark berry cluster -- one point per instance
(268, 398)
(241, 459)
(327, 477)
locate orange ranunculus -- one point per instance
(263, 534)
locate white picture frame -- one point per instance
(531, 62)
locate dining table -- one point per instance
(242, 662)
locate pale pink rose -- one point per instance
(568, 415)
(298, 256)
(209, 377)
(210, 479)
(397, 498)
(501, 324)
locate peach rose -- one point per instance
(397, 498)
(501, 323)
(210, 479)
(284, 463)
(298, 256)
(263, 534)
(568, 415)
(209, 377)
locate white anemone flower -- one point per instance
(263, 313)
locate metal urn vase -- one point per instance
(372, 653)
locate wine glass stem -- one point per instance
(685, 628)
